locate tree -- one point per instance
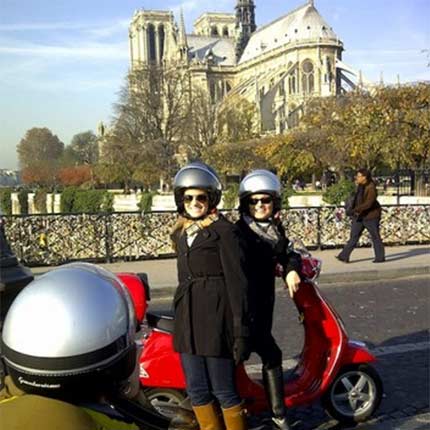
(387, 128)
(82, 149)
(39, 153)
(235, 157)
(75, 175)
(201, 128)
(151, 119)
(236, 120)
(408, 123)
(286, 154)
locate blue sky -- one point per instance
(62, 62)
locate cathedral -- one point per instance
(277, 66)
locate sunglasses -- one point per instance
(263, 200)
(201, 198)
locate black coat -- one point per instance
(211, 299)
(261, 261)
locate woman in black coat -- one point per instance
(211, 330)
(266, 246)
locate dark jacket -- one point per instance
(210, 301)
(366, 205)
(261, 261)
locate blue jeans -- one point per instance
(209, 377)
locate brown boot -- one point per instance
(235, 418)
(208, 417)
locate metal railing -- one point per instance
(60, 238)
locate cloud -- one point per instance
(109, 30)
(91, 50)
(192, 6)
(384, 51)
(42, 26)
(101, 29)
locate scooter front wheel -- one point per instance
(354, 395)
(164, 400)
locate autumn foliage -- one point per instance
(74, 176)
(387, 128)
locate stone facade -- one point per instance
(277, 66)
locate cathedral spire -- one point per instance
(182, 42)
(182, 32)
(245, 24)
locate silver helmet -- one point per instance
(70, 330)
(260, 181)
(197, 175)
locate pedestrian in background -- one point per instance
(366, 214)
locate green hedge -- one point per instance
(145, 203)
(40, 200)
(287, 192)
(23, 201)
(88, 201)
(6, 201)
(107, 204)
(75, 200)
(68, 199)
(338, 193)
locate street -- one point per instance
(392, 317)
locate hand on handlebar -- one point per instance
(292, 282)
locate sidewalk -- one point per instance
(402, 261)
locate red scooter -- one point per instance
(331, 367)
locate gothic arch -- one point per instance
(152, 53)
(308, 78)
(161, 37)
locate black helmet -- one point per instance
(260, 181)
(197, 175)
(70, 333)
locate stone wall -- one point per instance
(55, 239)
(166, 202)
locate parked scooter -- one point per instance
(331, 367)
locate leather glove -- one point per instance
(241, 349)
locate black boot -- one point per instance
(274, 385)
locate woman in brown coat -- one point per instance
(211, 331)
(366, 214)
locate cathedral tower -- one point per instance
(245, 24)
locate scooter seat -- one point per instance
(161, 320)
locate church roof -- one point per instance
(221, 48)
(303, 23)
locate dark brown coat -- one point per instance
(368, 206)
(211, 299)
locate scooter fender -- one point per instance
(356, 352)
(137, 293)
(159, 364)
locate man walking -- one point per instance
(366, 213)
